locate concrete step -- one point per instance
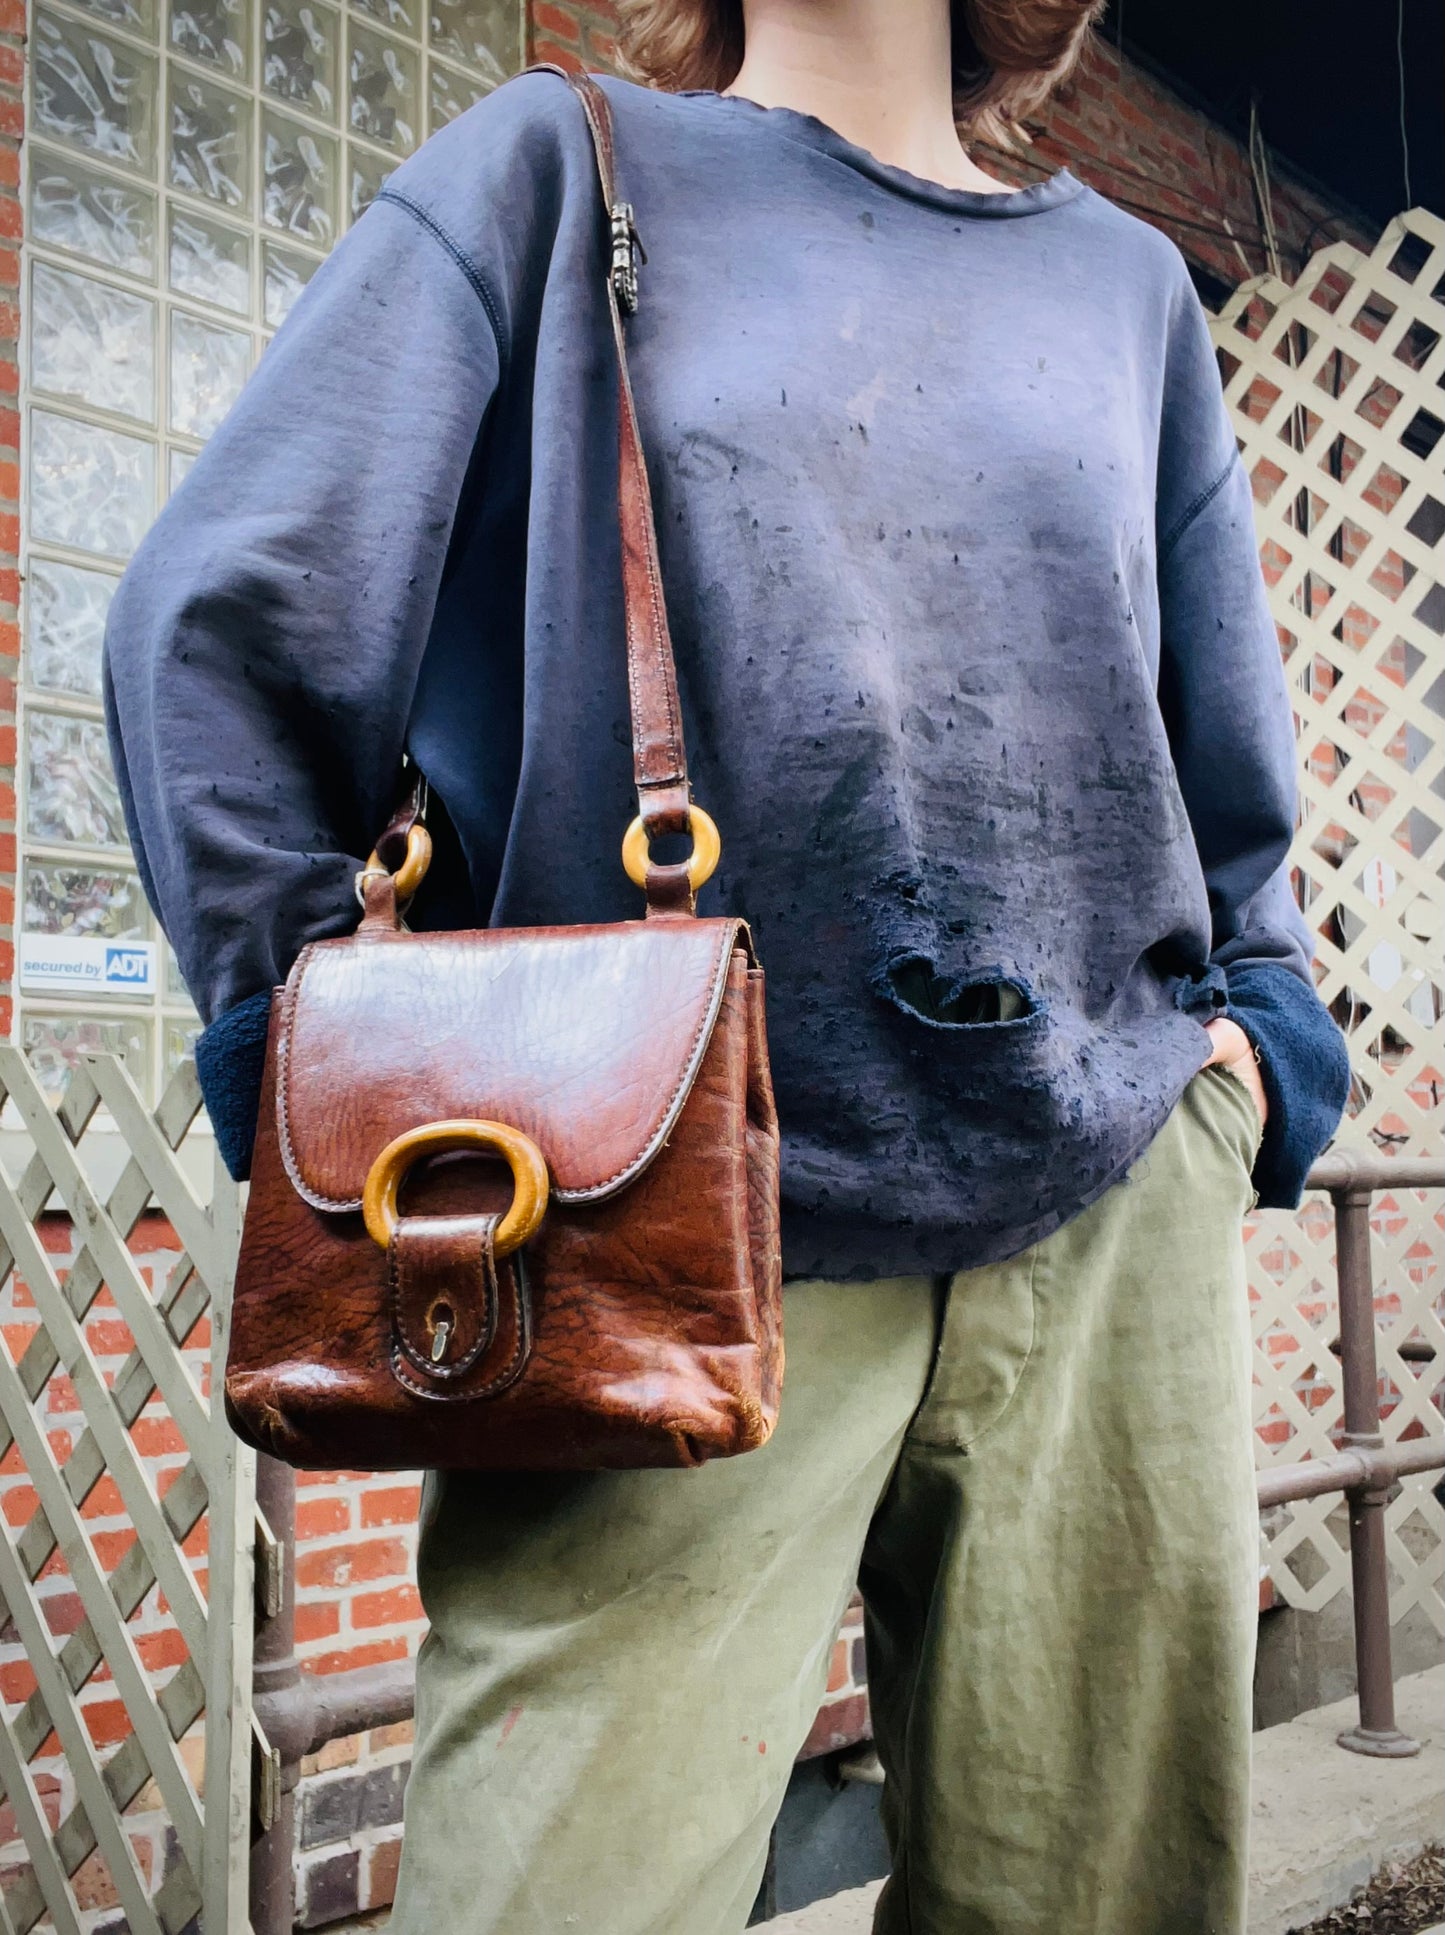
(1324, 1820)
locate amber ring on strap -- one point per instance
(701, 862)
(409, 875)
(527, 1163)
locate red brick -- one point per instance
(106, 1721)
(548, 50)
(153, 1437)
(153, 1232)
(60, 1398)
(344, 1565)
(111, 1547)
(109, 1337)
(316, 1518)
(838, 1667)
(57, 1238)
(370, 1655)
(17, 1683)
(391, 1505)
(320, 1619)
(391, 1608)
(383, 1864)
(563, 26)
(92, 1882)
(161, 1650)
(842, 1723)
(104, 1501)
(19, 1504)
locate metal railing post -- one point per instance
(1376, 1733)
(276, 1678)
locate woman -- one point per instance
(981, 686)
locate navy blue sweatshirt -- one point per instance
(977, 671)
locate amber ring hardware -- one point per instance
(527, 1163)
(409, 875)
(701, 863)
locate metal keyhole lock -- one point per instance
(441, 1320)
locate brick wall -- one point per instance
(1127, 134)
(1121, 130)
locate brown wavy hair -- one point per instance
(1008, 55)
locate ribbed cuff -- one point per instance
(1306, 1070)
(230, 1061)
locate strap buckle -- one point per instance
(627, 252)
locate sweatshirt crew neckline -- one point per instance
(808, 131)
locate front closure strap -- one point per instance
(444, 1292)
(461, 1315)
(659, 758)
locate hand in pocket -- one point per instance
(1233, 1049)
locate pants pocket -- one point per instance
(984, 1345)
(1229, 1110)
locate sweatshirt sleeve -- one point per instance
(1226, 707)
(263, 647)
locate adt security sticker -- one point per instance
(84, 965)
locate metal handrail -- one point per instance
(1365, 1469)
(300, 1712)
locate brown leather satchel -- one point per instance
(514, 1198)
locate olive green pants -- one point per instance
(1041, 1472)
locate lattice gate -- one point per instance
(1337, 387)
(126, 1522)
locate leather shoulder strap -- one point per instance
(659, 759)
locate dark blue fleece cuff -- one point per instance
(1306, 1070)
(230, 1060)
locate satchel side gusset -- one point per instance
(594, 1059)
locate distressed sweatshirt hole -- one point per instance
(913, 984)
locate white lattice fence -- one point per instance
(126, 1518)
(1337, 387)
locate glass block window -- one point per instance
(189, 163)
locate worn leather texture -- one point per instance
(589, 1038)
(639, 1327)
(642, 1323)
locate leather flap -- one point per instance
(586, 1038)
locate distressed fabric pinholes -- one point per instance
(984, 1343)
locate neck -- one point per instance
(875, 71)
